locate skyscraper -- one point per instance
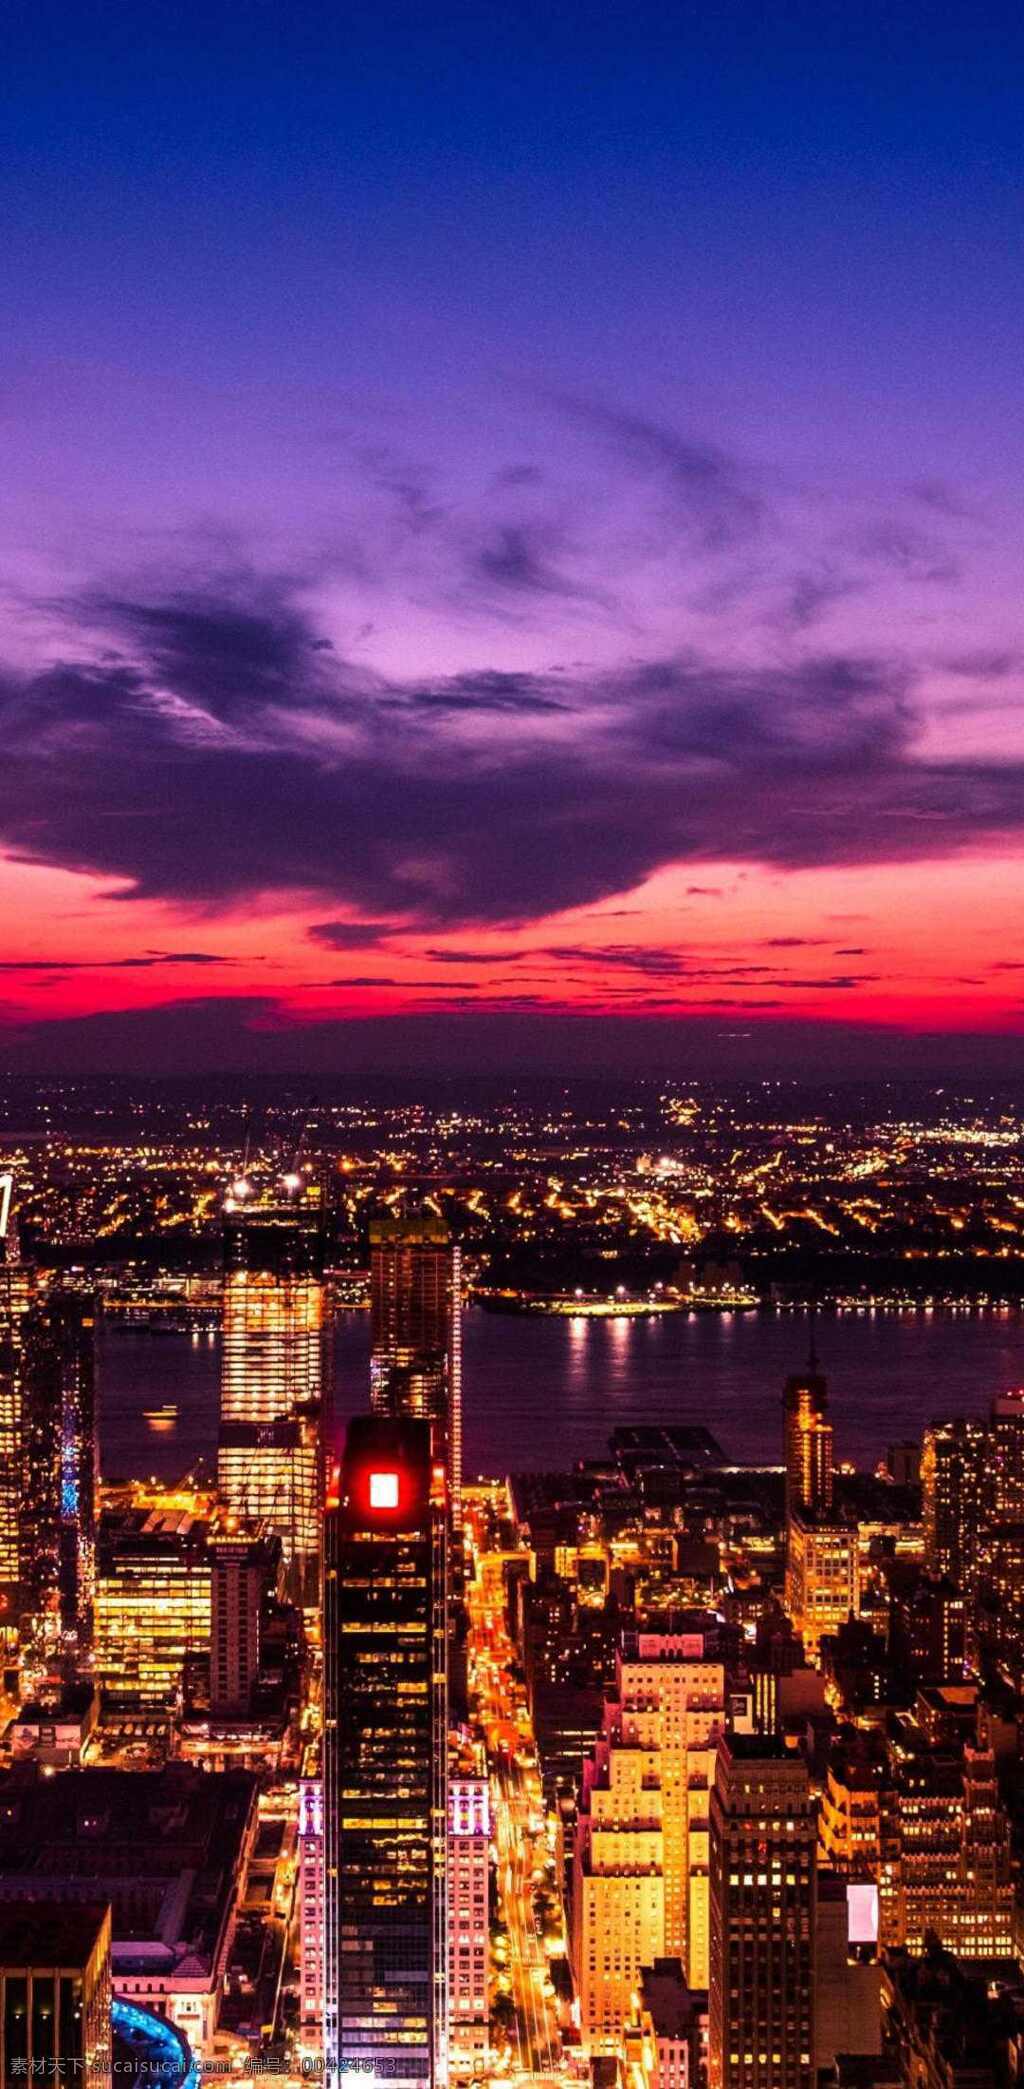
(55, 1993)
(244, 1573)
(469, 1835)
(18, 1288)
(954, 1483)
(416, 1333)
(640, 1881)
(48, 1450)
(1006, 1464)
(385, 1757)
(763, 1909)
(807, 1442)
(822, 1576)
(275, 1376)
(310, 1853)
(59, 1463)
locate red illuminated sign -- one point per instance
(383, 1490)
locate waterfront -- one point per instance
(544, 1391)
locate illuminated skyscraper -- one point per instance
(245, 1571)
(416, 1333)
(677, 1689)
(60, 1472)
(152, 1604)
(310, 1851)
(1006, 1463)
(385, 1774)
(763, 1910)
(275, 1376)
(618, 1887)
(469, 1831)
(948, 1869)
(18, 1288)
(807, 1442)
(640, 1888)
(48, 1452)
(954, 1483)
(822, 1576)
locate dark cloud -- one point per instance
(810, 595)
(476, 957)
(206, 749)
(350, 935)
(114, 964)
(490, 690)
(516, 558)
(706, 489)
(985, 665)
(908, 552)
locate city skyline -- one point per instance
(511, 541)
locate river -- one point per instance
(540, 1392)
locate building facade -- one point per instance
(275, 1377)
(55, 1994)
(763, 1919)
(469, 1836)
(385, 1757)
(416, 1333)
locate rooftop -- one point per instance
(50, 1933)
(164, 1847)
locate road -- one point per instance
(524, 1856)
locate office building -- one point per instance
(855, 1807)
(469, 1834)
(312, 1910)
(275, 1376)
(954, 1483)
(59, 1469)
(763, 1919)
(1006, 1458)
(171, 1848)
(928, 1629)
(947, 2026)
(18, 1292)
(618, 1880)
(640, 1869)
(416, 1333)
(822, 1577)
(674, 1690)
(999, 1612)
(152, 1604)
(245, 1572)
(55, 1993)
(385, 1757)
(56, 1731)
(948, 1871)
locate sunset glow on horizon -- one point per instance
(528, 526)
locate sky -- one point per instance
(510, 541)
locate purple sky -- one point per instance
(510, 511)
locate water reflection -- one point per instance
(542, 1391)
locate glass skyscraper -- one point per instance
(416, 1332)
(385, 1758)
(275, 1377)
